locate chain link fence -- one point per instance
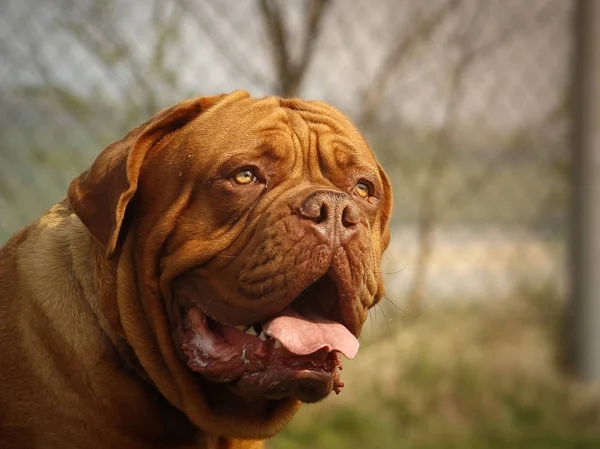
(465, 103)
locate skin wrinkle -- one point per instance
(304, 258)
(83, 270)
(298, 130)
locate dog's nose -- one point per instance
(333, 215)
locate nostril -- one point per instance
(323, 214)
(350, 216)
(315, 210)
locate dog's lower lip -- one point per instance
(307, 385)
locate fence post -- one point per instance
(583, 317)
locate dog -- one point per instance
(197, 284)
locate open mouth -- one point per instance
(293, 354)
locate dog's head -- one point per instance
(248, 235)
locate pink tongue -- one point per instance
(302, 335)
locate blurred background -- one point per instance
(468, 106)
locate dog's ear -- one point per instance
(386, 208)
(100, 196)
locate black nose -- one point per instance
(333, 215)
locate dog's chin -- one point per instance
(294, 355)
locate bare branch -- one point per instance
(291, 73)
(221, 40)
(429, 198)
(430, 210)
(478, 181)
(109, 47)
(315, 15)
(397, 55)
(278, 38)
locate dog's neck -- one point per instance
(96, 332)
(97, 276)
(88, 257)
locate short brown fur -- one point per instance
(86, 357)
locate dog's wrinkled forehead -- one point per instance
(271, 113)
(288, 131)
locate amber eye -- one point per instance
(245, 177)
(362, 190)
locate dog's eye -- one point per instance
(362, 190)
(244, 177)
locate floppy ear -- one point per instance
(387, 208)
(100, 196)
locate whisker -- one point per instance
(396, 306)
(386, 322)
(394, 272)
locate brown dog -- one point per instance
(197, 284)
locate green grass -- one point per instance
(460, 376)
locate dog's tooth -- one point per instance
(251, 331)
(241, 327)
(263, 336)
(278, 344)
